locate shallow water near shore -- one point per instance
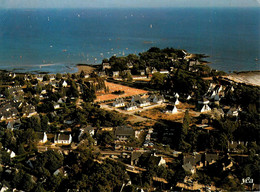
(55, 40)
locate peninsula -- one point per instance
(162, 120)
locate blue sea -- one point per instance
(55, 40)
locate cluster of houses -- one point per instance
(138, 101)
(11, 110)
(142, 74)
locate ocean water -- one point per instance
(54, 40)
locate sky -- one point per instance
(125, 3)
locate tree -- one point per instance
(74, 90)
(27, 183)
(35, 123)
(50, 160)
(154, 50)
(127, 77)
(38, 89)
(21, 150)
(106, 138)
(186, 122)
(7, 93)
(44, 123)
(223, 141)
(58, 76)
(46, 77)
(87, 140)
(82, 74)
(157, 80)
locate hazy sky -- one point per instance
(125, 3)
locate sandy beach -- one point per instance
(247, 77)
(86, 68)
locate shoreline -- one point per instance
(246, 77)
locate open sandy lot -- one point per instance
(129, 91)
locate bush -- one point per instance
(119, 92)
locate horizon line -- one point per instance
(182, 7)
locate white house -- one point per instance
(43, 91)
(233, 112)
(130, 106)
(42, 136)
(62, 138)
(88, 129)
(142, 72)
(12, 154)
(205, 107)
(56, 105)
(139, 77)
(171, 109)
(115, 73)
(64, 84)
(130, 65)
(189, 97)
(162, 162)
(164, 71)
(106, 66)
(157, 99)
(154, 70)
(177, 102)
(39, 77)
(61, 100)
(119, 102)
(141, 102)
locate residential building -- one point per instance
(204, 102)
(156, 99)
(122, 133)
(130, 106)
(63, 138)
(119, 102)
(115, 74)
(171, 109)
(106, 66)
(42, 137)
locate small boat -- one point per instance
(256, 59)
(64, 50)
(151, 26)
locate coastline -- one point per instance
(246, 77)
